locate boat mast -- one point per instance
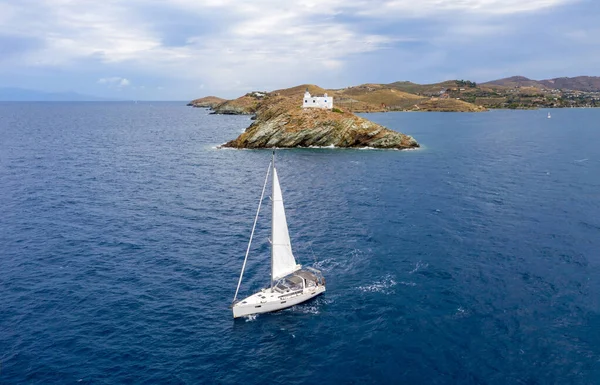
(272, 217)
(252, 234)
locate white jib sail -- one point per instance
(284, 262)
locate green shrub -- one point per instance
(337, 110)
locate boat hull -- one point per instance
(266, 301)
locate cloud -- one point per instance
(422, 8)
(261, 44)
(263, 39)
(114, 81)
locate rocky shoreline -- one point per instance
(281, 122)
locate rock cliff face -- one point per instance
(206, 102)
(282, 122)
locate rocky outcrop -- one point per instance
(282, 122)
(245, 105)
(207, 102)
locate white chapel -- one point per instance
(317, 101)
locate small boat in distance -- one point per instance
(549, 116)
(291, 284)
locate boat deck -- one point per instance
(287, 287)
(263, 296)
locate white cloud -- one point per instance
(114, 81)
(7, 11)
(74, 30)
(421, 8)
(256, 45)
(261, 40)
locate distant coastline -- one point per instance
(12, 94)
(517, 92)
(294, 117)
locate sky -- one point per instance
(185, 49)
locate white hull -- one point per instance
(266, 301)
(290, 283)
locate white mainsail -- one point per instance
(302, 285)
(283, 261)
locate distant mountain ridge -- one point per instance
(578, 83)
(13, 94)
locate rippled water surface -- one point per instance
(472, 260)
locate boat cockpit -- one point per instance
(304, 278)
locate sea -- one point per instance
(472, 260)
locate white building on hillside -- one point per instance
(317, 101)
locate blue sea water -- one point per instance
(473, 260)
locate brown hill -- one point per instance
(298, 91)
(244, 105)
(282, 122)
(579, 83)
(207, 102)
(399, 96)
(378, 96)
(511, 92)
(354, 105)
(341, 97)
(372, 97)
(384, 97)
(446, 105)
(515, 81)
(423, 89)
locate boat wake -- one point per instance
(357, 259)
(420, 265)
(312, 307)
(251, 317)
(383, 286)
(460, 313)
(305, 309)
(326, 264)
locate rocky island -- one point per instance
(207, 102)
(282, 121)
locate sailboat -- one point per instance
(549, 116)
(291, 283)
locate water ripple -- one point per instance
(123, 230)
